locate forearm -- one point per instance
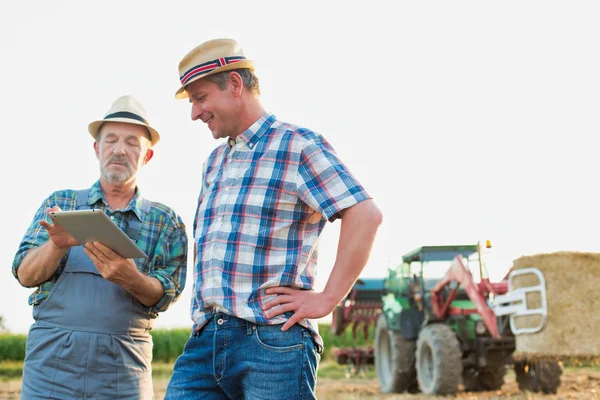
(357, 234)
(39, 264)
(147, 290)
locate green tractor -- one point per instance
(439, 328)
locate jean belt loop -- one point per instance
(249, 328)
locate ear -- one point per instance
(97, 149)
(236, 83)
(148, 156)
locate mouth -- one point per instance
(208, 121)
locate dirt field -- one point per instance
(575, 385)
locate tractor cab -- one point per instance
(407, 288)
(429, 264)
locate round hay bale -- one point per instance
(573, 324)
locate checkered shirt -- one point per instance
(264, 201)
(162, 238)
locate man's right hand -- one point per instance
(59, 237)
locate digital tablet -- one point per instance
(95, 225)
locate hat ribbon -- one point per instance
(209, 66)
(126, 114)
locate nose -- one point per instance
(196, 111)
(119, 148)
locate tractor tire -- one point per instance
(471, 380)
(394, 360)
(538, 376)
(492, 377)
(488, 378)
(439, 360)
(337, 321)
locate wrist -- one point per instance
(55, 248)
(132, 282)
(330, 300)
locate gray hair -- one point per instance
(250, 80)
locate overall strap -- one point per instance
(134, 225)
(82, 199)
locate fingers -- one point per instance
(102, 252)
(280, 290)
(92, 252)
(290, 322)
(111, 255)
(46, 225)
(277, 300)
(93, 249)
(52, 209)
(273, 312)
(287, 300)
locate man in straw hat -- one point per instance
(267, 192)
(92, 308)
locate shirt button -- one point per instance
(220, 219)
(220, 321)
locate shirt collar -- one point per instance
(257, 130)
(96, 194)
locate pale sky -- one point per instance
(464, 120)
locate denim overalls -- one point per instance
(90, 337)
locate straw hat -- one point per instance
(210, 58)
(125, 109)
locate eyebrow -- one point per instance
(112, 134)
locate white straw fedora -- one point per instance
(125, 109)
(214, 56)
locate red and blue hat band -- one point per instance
(207, 67)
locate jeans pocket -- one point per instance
(270, 337)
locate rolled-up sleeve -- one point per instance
(36, 235)
(324, 183)
(171, 265)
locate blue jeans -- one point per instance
(230, 358)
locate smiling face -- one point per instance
(218, 108)
(122, 150)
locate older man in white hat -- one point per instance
(92, 308)
(267, 192)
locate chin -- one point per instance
(218, 135)
(117, 178)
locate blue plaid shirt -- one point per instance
(264, 201)
(162, 238)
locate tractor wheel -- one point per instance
(394, 360)
(492, 377)
(439, 364)
(538, 376)
(471, 380)
(337, 321)
(488, 378)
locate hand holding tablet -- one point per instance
(94, 225)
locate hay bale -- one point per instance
(573, 324)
